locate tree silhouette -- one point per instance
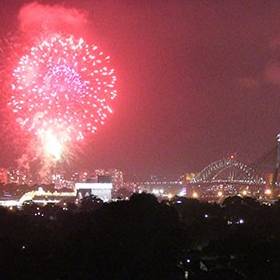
(91, 202)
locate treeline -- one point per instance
(141, 238)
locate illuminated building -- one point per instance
(75, 177)
(86, 176)
(44, 197)
(115, 174)
(101, 190)
(39, 196)
(18, 176)
(162, 188)
(60, 181)
(117, 178)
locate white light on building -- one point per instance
(101, 190)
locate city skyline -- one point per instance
(194, 84)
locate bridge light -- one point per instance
(194, 195)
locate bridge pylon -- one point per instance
(277, 164)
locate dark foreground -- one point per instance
(142, 239)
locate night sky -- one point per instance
(197, 81)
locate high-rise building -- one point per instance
(81, 176)
(115, 177)
(115, 174)
(3, 175)
(101, 190)
(17, 176)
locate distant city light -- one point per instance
(241, 221)
(182, 192)
(194, 195)
(244, 192)
(268, 191)
(170, 196)
(220, 194)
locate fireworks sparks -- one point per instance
(52, 146)
(65, 86)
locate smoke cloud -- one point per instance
(35, 18)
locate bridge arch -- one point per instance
(228, 171)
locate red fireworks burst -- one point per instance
(64, 85)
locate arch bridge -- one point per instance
(227, 172)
